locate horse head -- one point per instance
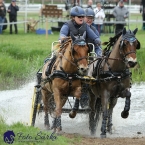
(128, 46)
(80, 53)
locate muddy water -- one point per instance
(16, 105)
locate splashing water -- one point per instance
(15, 106)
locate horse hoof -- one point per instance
(124, 114)
(93, 133)
(59, 131)
(47, 127)
(103, 135)
(109, 131)
(72, 114)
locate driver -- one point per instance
(77, 27)
(89, 18)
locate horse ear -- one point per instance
(72, 36)
(138, 45)
(84, 35)
(135, 31)
(124, 31)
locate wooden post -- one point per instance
(46, 28)
(50, 11)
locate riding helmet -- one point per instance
(77, 11)
(89, 12)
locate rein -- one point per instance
(104, 57)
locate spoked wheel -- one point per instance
(94, 117)
(35, 105)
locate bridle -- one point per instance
(123, 44)
(72, 55)
(74, 61)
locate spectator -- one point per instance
(99, 18)
(12, 10)
(2, 15)
(90, 3)
(67, 7)
(120, 13)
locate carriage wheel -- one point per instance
(35, 105)
(94, 117)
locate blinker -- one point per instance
(81, 43)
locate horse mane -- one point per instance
(59, 47)
(111, 42)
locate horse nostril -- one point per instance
(132, 64)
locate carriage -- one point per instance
(111, 80)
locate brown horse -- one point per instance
(113, 79)
(71, 61)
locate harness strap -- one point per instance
(63, 75)
(118, 76)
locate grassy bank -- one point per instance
(22, 55)
(27, 135)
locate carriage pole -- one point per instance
(46, 14)
(46, 26)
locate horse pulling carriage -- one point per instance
(64, 77)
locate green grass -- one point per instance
(28, 135)
(22, 55)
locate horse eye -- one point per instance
(126, 43)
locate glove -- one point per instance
(97, 42)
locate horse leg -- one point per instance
(77, 94)
(56, 123)
(75, 108)
(45, 97)
(104, 101)
(112, 103)
(57, 99)
(94, 115)
(125, 112)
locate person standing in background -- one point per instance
(99, 18)
(90, 3)
(12, 10)
(142, 10)
(120, 13)
(2, 15)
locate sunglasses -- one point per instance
(80, 16)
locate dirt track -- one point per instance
(114, 141)
(108, 141)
